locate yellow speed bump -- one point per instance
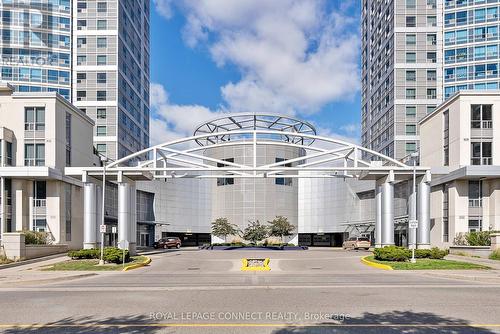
(365, 260)
(138, 265)
(264, 267)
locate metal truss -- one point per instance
(319, 157)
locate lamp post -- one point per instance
(104, 160)
(413, 229)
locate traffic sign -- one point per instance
(123, 244)
(102, 228)
(413, 223)
(113, 229)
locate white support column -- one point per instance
(412, 215)
(387, 213)
(126, 214)
(424, 215)
(378, 216)
(89, 215)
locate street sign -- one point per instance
(102, 228)
(123, 244)
(113, 229)
(413, 223)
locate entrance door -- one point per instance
(144, 240)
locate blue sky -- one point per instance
(298, 57)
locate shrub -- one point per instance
(495, 255)
(422, 253)
(392, 253)
(36, 238)
(478, 238)
(111, 254)
(437, 254)
(115, 255)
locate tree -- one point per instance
(222, 228)
(255, 232)
(280, 227)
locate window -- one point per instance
(8, 157)
(411, 21)
(81, 24)
(481, 116)
(101, 149)
(411, 93)
(446, 227)
(81, 41)
(101, 95)
(411, 57)
(101, 60)
(411, 75)
(431, 75)
(446, 138)
(101, 130)
(67, 208)
(282, 180)
(101, 113)
(431, 93)
(34, 154)
(430, 109)
(102, 24)
(101, 7)
(431, 21)
(475, 224)
(410, 147)
(81, 60)
(68, 139)
(431, 39)
(481, 153)
(34, 119)
(410, 4)
(81, 95)
(410, 129)
(411, 39)
(411, 111)
(81, 76)
(475, 193)
(101, 78)
(431, 57)
(102, 42)
(223, 181)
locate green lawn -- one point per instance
(90, 265)
(429, 264)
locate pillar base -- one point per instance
(423, 246)
(378, 245)
(89, 245)
(385, 245)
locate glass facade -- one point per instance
(470, 31)
(35, 45)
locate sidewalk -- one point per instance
(495, 264)
(30, 273)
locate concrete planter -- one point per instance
(495, 241)
(16, 249)
(481, 251)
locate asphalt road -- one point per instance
(315, 291)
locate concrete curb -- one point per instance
(375, 264)
(138, 265)
(265, 267)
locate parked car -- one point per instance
(357, 243)
(168, 243)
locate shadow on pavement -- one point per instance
(392, 323)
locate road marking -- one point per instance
(244, 287)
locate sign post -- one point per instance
(123, 244)
(413, 224)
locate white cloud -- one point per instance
(172, 121)
(294, 56)
(350, 129)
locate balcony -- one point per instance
(475, 203)
(485, 161)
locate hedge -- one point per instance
(111, 254)
(401, 254)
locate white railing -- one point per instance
(475, 203)
(39, 203)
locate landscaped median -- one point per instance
(398, 258)
(88, 260)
